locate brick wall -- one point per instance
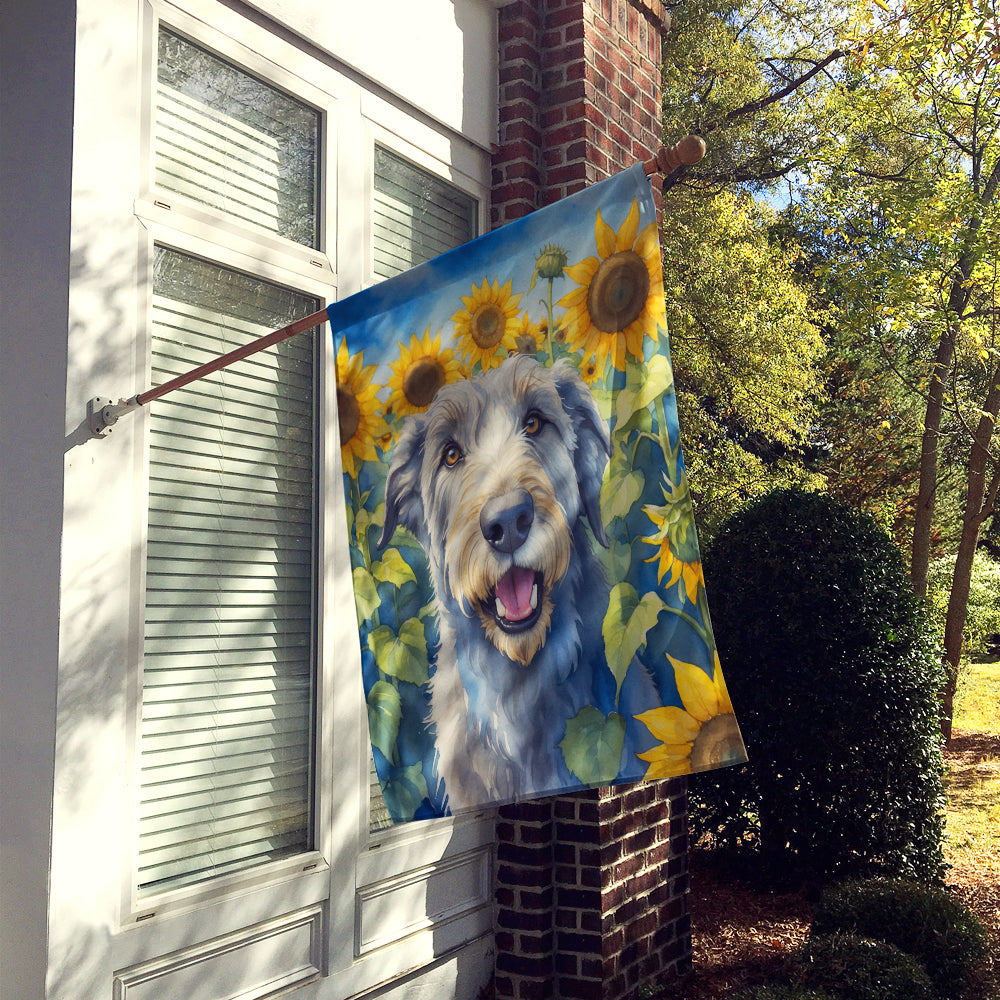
(579, 96)
(591, 889)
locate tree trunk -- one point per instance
(979, 500)
(958, 300)
(920, 553)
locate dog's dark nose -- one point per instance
(506, 520)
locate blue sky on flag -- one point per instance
(531, 606)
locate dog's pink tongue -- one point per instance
(514, 590)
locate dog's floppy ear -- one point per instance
(593, 442)
(403, 505)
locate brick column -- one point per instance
(579, 96)
(591, 888)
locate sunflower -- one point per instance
(358, 410)
(620, 295)
(487, 323)
(589, 370)
(420, 371)
(701, 735)
(528, 336)
(676, 539)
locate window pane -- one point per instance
(417, 215)
(228, 658)
(231, 141)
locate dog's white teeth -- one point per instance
(501, 610)
(534, 596)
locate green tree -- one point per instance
(747, 352)
(910, 180)
(747, 357)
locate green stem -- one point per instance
(699, 629)
(669, 452)
(548, 305)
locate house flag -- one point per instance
(529, 592)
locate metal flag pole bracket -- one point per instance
(103, 413)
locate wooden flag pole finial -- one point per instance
(668, 158)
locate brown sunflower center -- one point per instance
(718, 744)
(348, 413)
(488, 325)
(618, 292)
(422, 380)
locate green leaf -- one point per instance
(626, 623)
(404, 792)
(384, 712)
(366, 597)
(592, 745)
(617, 558)
(404, 654)
(621, 488)
(643, 384)
(393, 568)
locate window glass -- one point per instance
(228, 680)
(416, 215)
(235, 143)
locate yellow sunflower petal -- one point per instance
(629, 228)
(646, 244)
(670, 724)
(725, 704)
(663, 764)
(605, 237)
(582, 273)
(692, 574)
(699, 694)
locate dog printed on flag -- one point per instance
(531, 605)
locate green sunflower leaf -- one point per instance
(626, 623)
(384, 713)
(404, 654)
(404, 792)
(366, 597)
(393, 568)
(621, 488)
(643, 384)
(592, 745)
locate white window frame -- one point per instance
(352, 875)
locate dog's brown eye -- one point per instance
(451, 455)
(532, 423)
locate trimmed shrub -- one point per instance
(924, 921)
(834, 672)
(857, 968)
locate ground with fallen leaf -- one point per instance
(742, 935)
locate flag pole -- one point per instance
(103, 413)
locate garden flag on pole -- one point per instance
(527, 576)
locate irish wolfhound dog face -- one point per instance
(491, 479)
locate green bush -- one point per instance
(925, 922)
(856, 968)
(833, 671)
(983, 611)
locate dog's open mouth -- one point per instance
(516, 599)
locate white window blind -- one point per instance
(416, 216)
(228, 140)
(228, 660)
